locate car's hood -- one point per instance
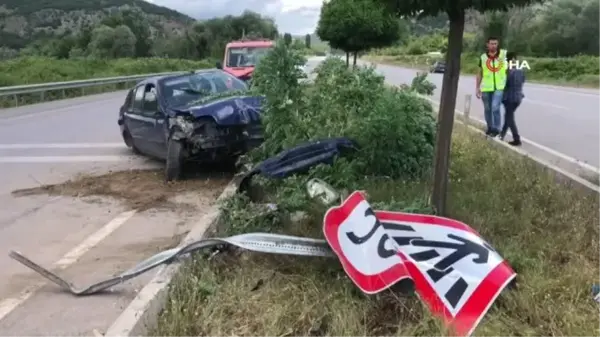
(234, 110)
(240, 71)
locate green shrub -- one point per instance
(580, 69)
(394, 128)
(34, 70)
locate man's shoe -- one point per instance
(515, 143)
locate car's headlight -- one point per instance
(186, 125)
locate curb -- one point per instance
(141, 314)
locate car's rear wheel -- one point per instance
(129, 142)
(174, 164)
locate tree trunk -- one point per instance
(446, 112)
(354, 61)
(347, 59)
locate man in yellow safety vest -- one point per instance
(491, 80)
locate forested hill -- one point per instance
(25, 21)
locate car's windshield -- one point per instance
(185, 89)
(245, 56)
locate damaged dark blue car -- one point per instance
(202, 116)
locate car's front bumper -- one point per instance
(228, 141)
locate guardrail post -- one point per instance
(64, 94)
(16, 100)
(467, 109)
(82, 91)
(42, 95)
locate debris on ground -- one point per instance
(138, 189)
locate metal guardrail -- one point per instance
(40, 88)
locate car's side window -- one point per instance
(150, 103)
(138, 100)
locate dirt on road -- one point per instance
(161, 214)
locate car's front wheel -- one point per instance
(174, 164)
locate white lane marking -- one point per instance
(19, 115)
(10, 304)
(531, 101)
(63, 159)
(61, 146)
(539, 146)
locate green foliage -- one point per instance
(139, 32)
(307, 41)
(357, 25)
(393, 128)
(32, 70)
(579, 69)
(453, 8)
(107, 42)
(158, 36)
(276, 77)
(26, 7)
(287, 38)
(241, 215)
(207, 39)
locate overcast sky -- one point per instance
(292, 16)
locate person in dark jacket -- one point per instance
(513, 96)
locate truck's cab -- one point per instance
(242, 56)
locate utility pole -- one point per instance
(446, 120)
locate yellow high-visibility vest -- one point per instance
(493, 72)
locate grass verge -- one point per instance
(36, 70)
(547, 231)
(537, 74)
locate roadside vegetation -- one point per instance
(581, 71)
(547, 231)
(34, 70)
(559, 39)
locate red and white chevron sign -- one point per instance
(456, 273)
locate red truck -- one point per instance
(242, 56)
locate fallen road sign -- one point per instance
(456, 273)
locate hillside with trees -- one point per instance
(118, 28)
(24, 22)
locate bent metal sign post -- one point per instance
(456, 273)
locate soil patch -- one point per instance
(138, 189)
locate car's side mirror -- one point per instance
(219, 65)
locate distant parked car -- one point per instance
(202, 116)
(438, 67)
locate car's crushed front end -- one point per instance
(220, 130)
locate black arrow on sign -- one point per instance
(381, 250)
(461, 250)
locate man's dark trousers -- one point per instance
(509, 120)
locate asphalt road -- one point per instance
(90, 238)
(561, 119)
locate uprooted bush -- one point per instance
(393, 127)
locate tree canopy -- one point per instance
(357, 25)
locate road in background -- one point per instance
(563, 119)
(90, 238)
